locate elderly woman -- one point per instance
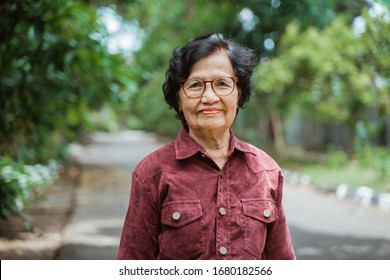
(207, 195)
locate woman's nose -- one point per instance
(209, 95)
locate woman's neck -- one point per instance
(216, 146)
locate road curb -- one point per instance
(363, 195)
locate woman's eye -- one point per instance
(222, 83)
(195, 85)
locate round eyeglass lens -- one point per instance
(221, 86)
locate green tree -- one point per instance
(53, 75)
(333, 73)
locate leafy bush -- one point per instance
(377, 158)
(54, 74)
(336, 158)
(19, 181)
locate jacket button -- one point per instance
(222, 211)
(266, 213)
(176, 216)
(223, 250)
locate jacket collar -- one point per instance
(186, 147)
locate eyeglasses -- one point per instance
(222, 86)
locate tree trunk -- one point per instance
(277, 131)
(352, 136)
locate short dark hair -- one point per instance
(182, 60)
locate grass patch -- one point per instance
(351, 174)
(334, 170)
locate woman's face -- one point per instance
(210, 111)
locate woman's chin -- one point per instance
(213, 125)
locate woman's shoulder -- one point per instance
(257, 159)
(157, 161)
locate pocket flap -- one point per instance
(260, 209)
(181, 212)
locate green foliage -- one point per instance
(385, 2)
(336, 158)
(352, 173)
(334, 74)
(377, 158)
(53, 75)
(272, 17)
(19, 181)
(150, 109)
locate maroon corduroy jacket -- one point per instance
(183, 206)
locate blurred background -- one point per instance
(321, 105)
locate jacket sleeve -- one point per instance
(278, 243)
(139, 240)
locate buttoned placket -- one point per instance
(222, 217)
(223, 247)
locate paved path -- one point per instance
(322, 227)
(102, 198)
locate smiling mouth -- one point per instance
(210, 111)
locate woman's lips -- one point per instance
(210, 111)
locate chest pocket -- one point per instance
(182, 230)
(258, 214)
